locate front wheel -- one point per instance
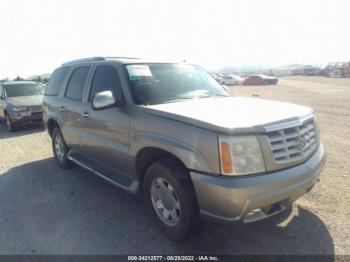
(171, 199)
(60, 149)
(9, 125)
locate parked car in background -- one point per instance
(310, 70)
(269, 80)
(260, 80)
(20, 103)
(171, 132)
(233, 79)
(253, 80)
(336, 70)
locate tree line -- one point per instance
(38, 79)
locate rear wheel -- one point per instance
(171, 199)
(60, 149)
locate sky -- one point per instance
(37, 36)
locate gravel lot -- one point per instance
(45, 210)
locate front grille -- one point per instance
(36, 109)
(293, 143)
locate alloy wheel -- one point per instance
(165, 202)
(59, 148)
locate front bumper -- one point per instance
(253, 198)
(28, 118)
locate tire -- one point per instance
(9, 124)
(60, 149)
(178, 201)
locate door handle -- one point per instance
(62, 108)
(85, 114)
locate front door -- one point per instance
(106, 132)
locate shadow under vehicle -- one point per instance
(47, 210)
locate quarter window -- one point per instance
(106, 78)
(77, 83)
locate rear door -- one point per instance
(106, 132)
(71, 107)
(52, 100)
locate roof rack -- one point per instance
(94, 59)
(88, 59)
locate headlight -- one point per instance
(240, 155)
(20, 108)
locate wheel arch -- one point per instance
(51, 124)
(149, 147)
(150, 155)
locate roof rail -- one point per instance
(121, 57)
(88, 59)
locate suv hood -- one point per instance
(229, 114)
(25, 100)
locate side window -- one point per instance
(106, 78)
(77, 83)
(56, 81)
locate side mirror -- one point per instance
(104, 100)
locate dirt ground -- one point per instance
(45, 210)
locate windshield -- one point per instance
(24, 90)
(160, 83)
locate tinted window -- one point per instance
(106, 78)
(56, 81)
(14, 90)
(77, 83)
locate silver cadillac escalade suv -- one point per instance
(170, 131)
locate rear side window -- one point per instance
(56, 81)
(106, 78)
(77, 83)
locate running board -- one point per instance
(109, 174)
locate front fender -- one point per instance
(190, 156)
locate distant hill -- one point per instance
(42, 76)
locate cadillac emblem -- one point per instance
(301, 143)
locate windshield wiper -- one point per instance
(211, 95)
(180, 98)
(169, 100)
(222, 95)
